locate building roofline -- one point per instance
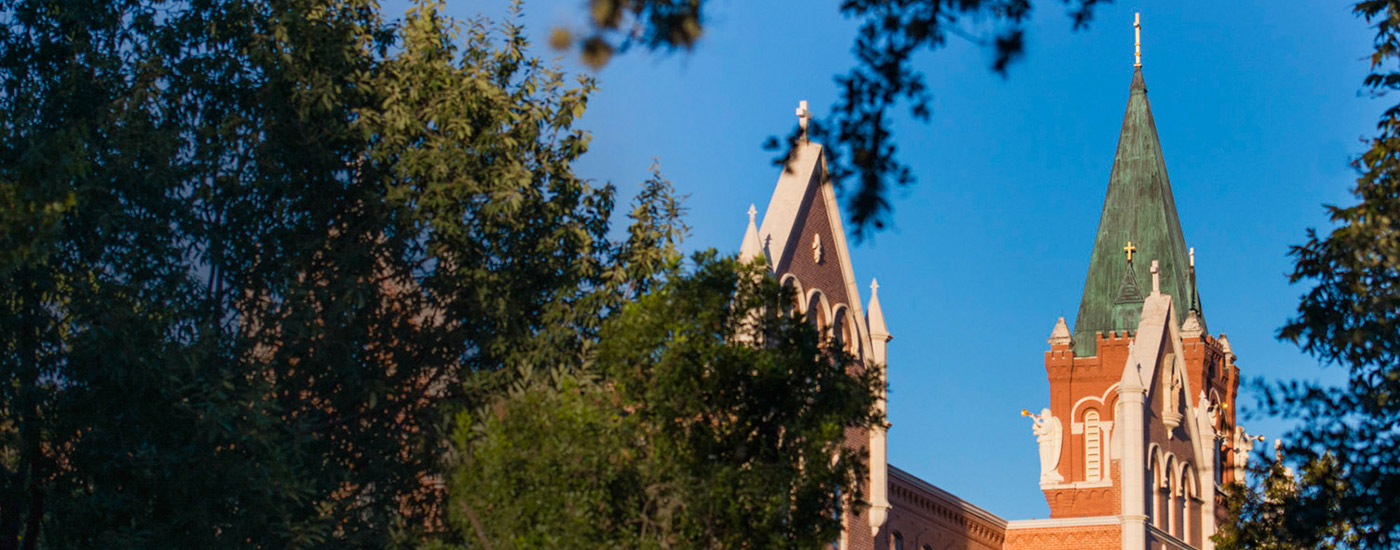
(968, 507)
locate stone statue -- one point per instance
(1048, 433)
(1243, 444)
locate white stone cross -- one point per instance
(1156, 278)
(752, 213)
(803, 115)
(1192, 255)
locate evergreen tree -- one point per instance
(248, 252)
(256, 257)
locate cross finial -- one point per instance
(874, 286)
(1130, 249)
(1137, 39)
(1191, 254)
(752, 213)
(1156, 278)
(803, 116)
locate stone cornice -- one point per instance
(946, 506)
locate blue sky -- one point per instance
(1258, 104)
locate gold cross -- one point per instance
(1137, 39)
(1129, 249)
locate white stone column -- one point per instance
(879, 471)
(1133, 398)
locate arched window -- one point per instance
(816, 311)
(1093, 447)
(840, 334)
(1191, 481)
(1187, 497)
(1154, 500)
(897, 541)
(1170, 504)
(791, 284)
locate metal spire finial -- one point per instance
(1137, 39)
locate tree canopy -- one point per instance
(706, 419)
(261, 262)
(1347, 444)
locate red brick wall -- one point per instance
(813, 219)
(1071, 380)
(1092, 537)
(827, 276)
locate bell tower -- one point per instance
(1140, 436)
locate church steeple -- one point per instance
(1138, 225)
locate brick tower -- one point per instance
(1140, 431)
(1139, 435)
(803, 243)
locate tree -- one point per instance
(1348, 444)
(860, 141)
(1278, 510)
(255, 257)
(248, 253)
(705, 419)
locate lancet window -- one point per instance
(1093, 447)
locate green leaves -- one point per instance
(1348, 447)
(704, 419)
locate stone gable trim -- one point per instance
(1167, 539)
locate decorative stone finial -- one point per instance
(1191, 254)
(1137, 39)
(875, 315)
(1060, 335)
(1191, 327)
(803, 117)
(1225, 346)
(751, 247)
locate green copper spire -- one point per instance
(1138, 225)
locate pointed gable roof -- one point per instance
(1138, 207)
(801, 176)
(804, 191)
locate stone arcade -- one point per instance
(1140, 432)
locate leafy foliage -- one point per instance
(706, 419)
(1351, 318)
(859, 126)
(248, 251)
(1282, 511)
(255, 257)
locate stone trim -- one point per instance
(1063, 522)
(1105, 482)
(1168, 539)
(992, 522)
